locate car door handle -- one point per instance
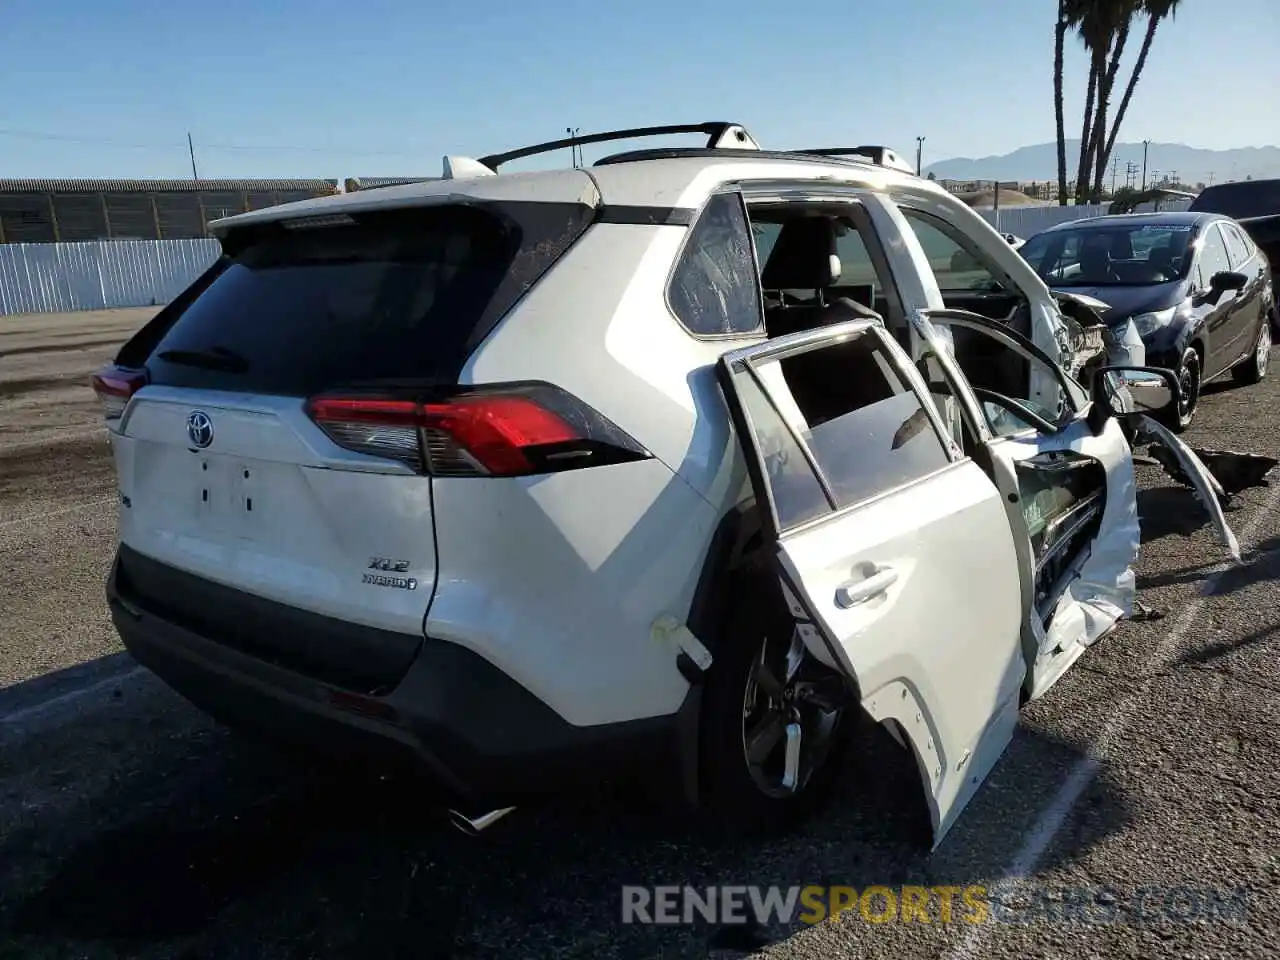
(853, 592)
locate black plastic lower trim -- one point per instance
(351, 656)
(481, 734)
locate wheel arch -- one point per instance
(738, 536)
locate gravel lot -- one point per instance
(131, 826)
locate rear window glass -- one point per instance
(401, 295)
(1247, 198)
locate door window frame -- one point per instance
(1206, 278)
(1231, 230)
(742, 362)
(1076, 399)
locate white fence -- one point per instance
(1027, 221)
(59, 277)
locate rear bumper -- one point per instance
(478, 733)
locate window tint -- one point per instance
(866, 428)
(1213, 258)
(714, 290)
(797, 495)
(766, 236)
(954, 267)
(401, 295)
(1129, 253)
(1237, 248)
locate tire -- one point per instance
(1253, 368)
(1189, 375)
(736, 800)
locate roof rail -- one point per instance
(880, 156)
(720, 135)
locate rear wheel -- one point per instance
(1179, 419)
(773, 722)
(1253, 368)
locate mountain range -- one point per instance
(1191, 165)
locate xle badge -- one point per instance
(386, 579)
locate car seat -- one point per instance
(804, 257)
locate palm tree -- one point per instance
(1059, 44)
(1119, 30)
(1157, 11)
(1103, 27)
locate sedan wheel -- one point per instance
(1253, 368)
(1180, 418)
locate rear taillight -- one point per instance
(497, 431)
(115, 386)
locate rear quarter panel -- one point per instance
(558, 579)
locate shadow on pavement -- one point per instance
(1169, 511)
(258, 858)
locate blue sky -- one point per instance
(109, 88)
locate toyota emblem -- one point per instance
(200, 428)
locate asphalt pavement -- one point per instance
(1147, 781)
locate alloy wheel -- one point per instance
(791, 709)
(1189, 382)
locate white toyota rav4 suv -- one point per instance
(672, 464)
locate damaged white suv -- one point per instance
(670, 464)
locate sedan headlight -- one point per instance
(1149, 323)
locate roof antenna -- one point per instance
(460, 168)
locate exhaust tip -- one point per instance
(473, 827)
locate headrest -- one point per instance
(803, 257)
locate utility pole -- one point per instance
(1130, 174)
(1173, 178)
(1115, 169)
(920, 156)
(575, 150)
(1211, 175)
(191, 149)
(1146, 144)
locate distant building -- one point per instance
(46, 211)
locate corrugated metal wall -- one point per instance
(57, 211)
(95, 275)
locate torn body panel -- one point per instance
(1206, 487)
(1076, 542)
(1093, 586)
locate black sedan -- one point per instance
(1194, 285)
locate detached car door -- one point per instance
(881, 526)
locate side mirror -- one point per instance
(1228, 280)
(1128, 391)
